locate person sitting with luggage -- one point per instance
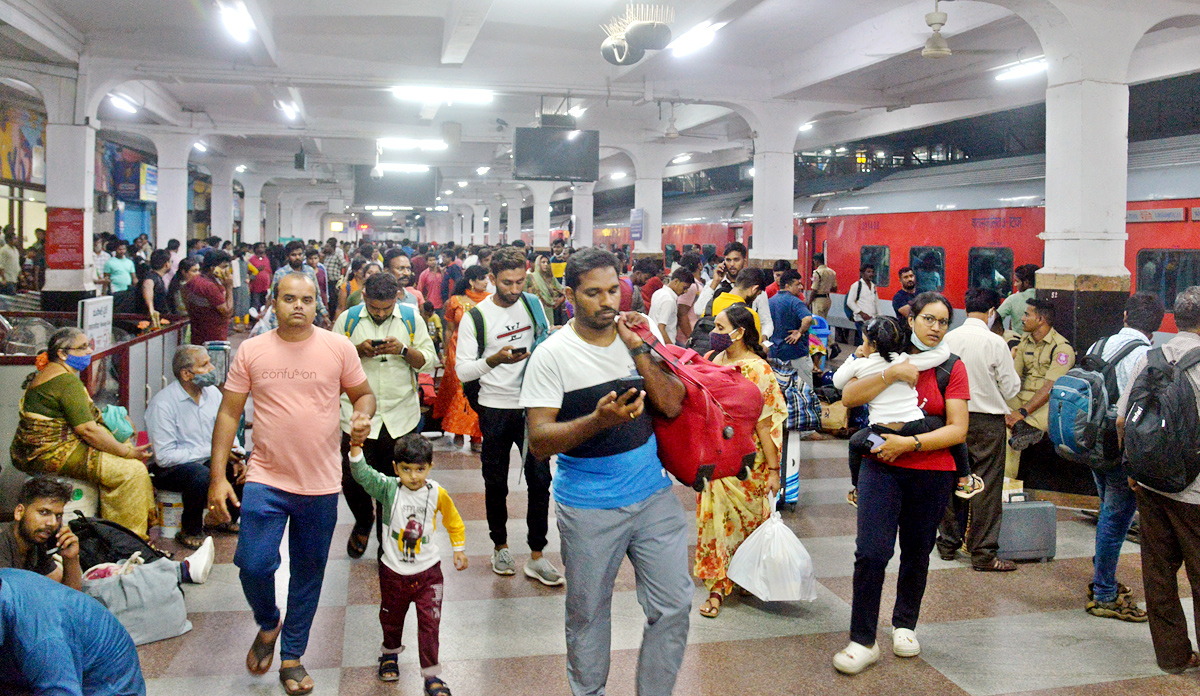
(180, 421)
(729, 510)
(410, 569)
(895, 409)
(54, 640)
(62, 432)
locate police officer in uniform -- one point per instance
(824, 281)
(1042, 356)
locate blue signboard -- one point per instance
(637, 218)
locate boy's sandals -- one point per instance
(436, 687)
(295, 675)
(262, 652)
(356, 545)
(712, 605)
(389, 668)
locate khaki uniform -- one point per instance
(1037, 362)
(824, 281)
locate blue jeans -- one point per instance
(265, 513)
(1117, 505)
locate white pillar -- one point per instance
(221, 204)
(649, 162)
(252, 208)
(512, 228)
(287, 213)
(581, 210)
(776, 126)
(174, 150)
(493, 225)
(477, 230)
(542, 193)
(271, 195)
(70, 178)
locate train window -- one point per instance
(707, 251)
(880, 257)
(990, 268)
(929, 265)
(1165, 272)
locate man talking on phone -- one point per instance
(393, 344)
(511, 322)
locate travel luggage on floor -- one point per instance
(804, 409)
(102, 541)
(1083, 409)
(1162, 431)
(145, 598)
(713, 437)
(789, 463)
(1028, 531)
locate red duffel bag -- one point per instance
(713, 437)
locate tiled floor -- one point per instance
(982, 634)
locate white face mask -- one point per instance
(991, 318)
(917, 342)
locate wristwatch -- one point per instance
(1023, 412)
(640, 350)
(404, 352)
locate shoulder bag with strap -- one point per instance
(857, 296)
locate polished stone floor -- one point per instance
(982, 634)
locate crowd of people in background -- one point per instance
(505, 346)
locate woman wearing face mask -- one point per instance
(903, 488)
(61, 432)
(729, 510)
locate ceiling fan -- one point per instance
(672, 132)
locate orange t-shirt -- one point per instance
(297, 424)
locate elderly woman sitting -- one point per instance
(61, 432)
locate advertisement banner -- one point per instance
(96, 320)
(148, 179)
(64, 238)
(637, 218)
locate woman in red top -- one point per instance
(903, 489)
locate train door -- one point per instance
(669, 255)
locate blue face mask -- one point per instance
(719, 342)
(79, 363)
(917, 342)
(208, 379)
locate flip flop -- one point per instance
(262, 650)
(707, 610)
(294, 674)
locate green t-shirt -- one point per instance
(63, 396)
(120, 273)
(1013, 308)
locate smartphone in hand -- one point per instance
(876, 440)
(624, 384)
(519, 351)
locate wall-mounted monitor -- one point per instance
(556, 154)
(395, 188)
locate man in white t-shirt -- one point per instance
(863, 300)
(664, 304)
(511, 322)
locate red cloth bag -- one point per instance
(713, 437)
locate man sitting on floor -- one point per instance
(180, 422)
(37, 533)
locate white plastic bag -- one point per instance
(773, 565)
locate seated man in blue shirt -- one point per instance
(55, 641)
(180, 420)
(792, 317)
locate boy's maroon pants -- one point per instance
(397, 592)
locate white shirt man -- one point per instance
(664, 303)
(863, 296)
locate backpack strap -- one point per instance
(353, 316)
(409, 316)
(480, 331)
(943, 373)
(537, 316)
(1108, 369)
(1189, 360)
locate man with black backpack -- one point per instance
(1106, 597)
(1160, 410)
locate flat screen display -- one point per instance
(556, 154)
(395, 188)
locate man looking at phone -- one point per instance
(511, 320)
(613, 496)
(393, 344)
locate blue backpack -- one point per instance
(1082, 406)
(408, 315)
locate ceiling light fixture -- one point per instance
(483, 170)
(617, 176)
(237, 20)
(577, 110)
(200, 146)
(697, 38)
(403, 168)
(123, 103)
(443, 95)
(750, 171)
(1023, 69)
(427, 145)
(240, 168)
(462, 184)
(289, 110)
(806, 127)
(381, 213)
(685, 157)
(448, 192)
(840, 150)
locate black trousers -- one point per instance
(191, 480)
(985, 443)
(502, 428)
(378, 453)
(1170, 533)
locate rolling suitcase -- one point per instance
(1028, 530)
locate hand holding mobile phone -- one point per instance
(624, 384)
(876, 441)
(520, 351)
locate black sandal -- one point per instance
(261, 650)
(356, 545)
(389, 668)
(436, 687)
(294, 674)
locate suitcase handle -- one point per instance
(648, 336)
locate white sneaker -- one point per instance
(200, 563)
(544, 572)
(503, 563)
(855, 657)
(904, 643)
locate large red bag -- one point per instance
(713, 437)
